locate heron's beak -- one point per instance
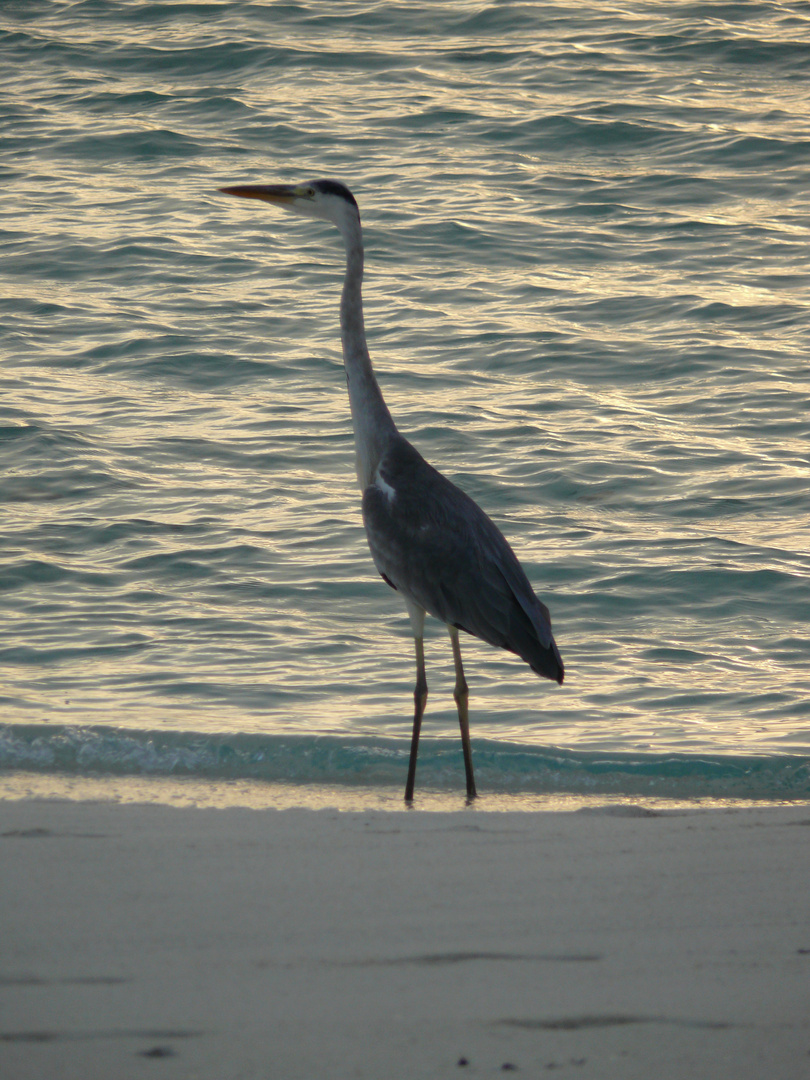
(280, 194)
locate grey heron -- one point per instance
(429, 540)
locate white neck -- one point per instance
(373, 426)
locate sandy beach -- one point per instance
(150, 941)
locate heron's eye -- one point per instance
(309, 192)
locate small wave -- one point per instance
(500, 767)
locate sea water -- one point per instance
(588, 303)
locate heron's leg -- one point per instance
(419, 701)
(461, 694)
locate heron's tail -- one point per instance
(547, 662)
(531, 637)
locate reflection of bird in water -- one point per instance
(428, 539)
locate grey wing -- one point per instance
(432, 542)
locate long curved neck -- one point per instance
(373, 426)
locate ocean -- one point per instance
(587, 299)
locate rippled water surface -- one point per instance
(588, 301)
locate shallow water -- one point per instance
(587, 300)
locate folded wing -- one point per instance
(433, 543)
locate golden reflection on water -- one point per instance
(486, 253)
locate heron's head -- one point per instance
(326, 199)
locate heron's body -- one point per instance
(440, 550)
(428, 539)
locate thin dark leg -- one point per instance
(419, 701)
(461, 694)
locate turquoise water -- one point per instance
(588, 303)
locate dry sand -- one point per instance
(155, 942)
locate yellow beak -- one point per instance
(272, 193)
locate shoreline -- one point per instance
(256, 794)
